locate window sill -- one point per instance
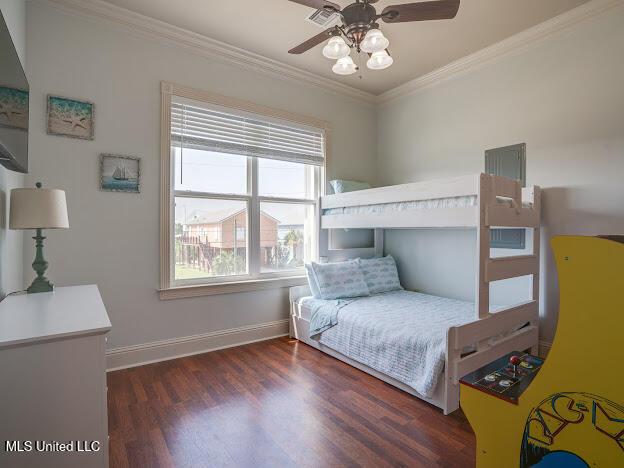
(180, 292)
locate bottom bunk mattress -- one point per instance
(400, 333)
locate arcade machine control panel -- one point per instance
(506, 378)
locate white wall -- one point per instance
(562, 96)
(11, 247)
(113, 239)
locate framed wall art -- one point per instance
(120, 173)
(70, 117)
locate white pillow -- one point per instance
(343, 186)
(380, 274)
(339, 280)
(316, 293)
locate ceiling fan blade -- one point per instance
(313, 41)
(423, 11)
(317, 4)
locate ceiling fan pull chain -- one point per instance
(360, 64)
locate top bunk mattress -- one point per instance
(432, 204)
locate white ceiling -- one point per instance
(272, 27)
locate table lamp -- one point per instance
(38, 208)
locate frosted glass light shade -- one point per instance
(38, 208)
(336, 48)
(374, 41)
(379, 60)
(344, 66)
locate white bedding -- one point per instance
(451, 202)
(400, 333)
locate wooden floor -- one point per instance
(276, 403)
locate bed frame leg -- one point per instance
(452, 397)
(451, 386)
(292, 326)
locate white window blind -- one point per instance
(224, 130)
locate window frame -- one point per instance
(255, 279)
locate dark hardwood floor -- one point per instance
(277, 403)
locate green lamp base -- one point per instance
(40, 283)
(38, 286)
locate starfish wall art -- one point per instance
(13, 108)
(70, 117)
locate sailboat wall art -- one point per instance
(71, 117)
(120, 173)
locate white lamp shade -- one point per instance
(344, 66)
(379, 60)
(38, 208)
(336, 48)
(374, 41)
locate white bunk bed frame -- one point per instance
(492, 334)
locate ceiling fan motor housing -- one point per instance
(358, 19)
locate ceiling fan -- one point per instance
(359, 30)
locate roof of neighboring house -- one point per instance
(290, 219)
(218, 216)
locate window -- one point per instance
(508, 161)
(244, 183)
(241, 233)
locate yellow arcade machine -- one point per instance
(572, 413)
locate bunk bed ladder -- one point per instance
(535, 196)
(482, 296)
(491, 213)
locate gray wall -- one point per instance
(562, 96)
(11, 246)
(113, 239)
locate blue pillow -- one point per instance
(312, 282)
(343, 186)
(380, 274)
(340, 280)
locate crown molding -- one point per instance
(208, 47)
(507, 46)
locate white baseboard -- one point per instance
(544, 347)
(138, 355)
(147, 353)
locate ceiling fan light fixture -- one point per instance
(374, 41)
(336, 48)
(344, 66)
(379, 60)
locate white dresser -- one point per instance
(53, 379)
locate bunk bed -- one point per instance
(480, 201)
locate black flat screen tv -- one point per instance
(13, 105)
